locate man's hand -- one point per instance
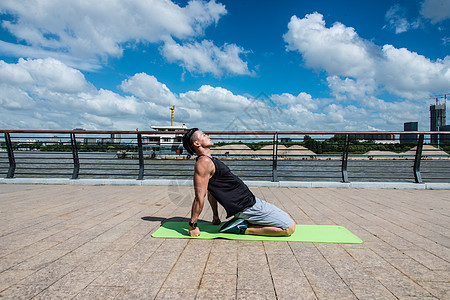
(194, 231)
(216, 220)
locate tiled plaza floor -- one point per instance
(94, 242)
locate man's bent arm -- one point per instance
(201, 179)
(213, 203)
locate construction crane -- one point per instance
(171, 114)
(443, 96)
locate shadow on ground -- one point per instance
(171, 219)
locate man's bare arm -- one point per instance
(213, 203)
(202, 173)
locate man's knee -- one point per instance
(291, 229)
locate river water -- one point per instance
(31, 164)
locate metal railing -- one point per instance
(271, 156)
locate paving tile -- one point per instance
(222, 263)
(41, 260)
(416, 271)
(256, 295)
(160, 262)
(48, 275)
(397, 283)
(440, 290)
(222, 245)
(98, 292)
(293, 287)
(284, 265)
(366, 287)
(214, 281)
(368, 258)
(101, 261)
(187, 273)
(429, 260)
(12, 277)
(176, 294)
(94, 242)
(257, 277)
(281, 248)
(384, 250)
(214, 294)
(321, 275)
(115, 277)
(142, 287)
(68, 286)
(19, 292)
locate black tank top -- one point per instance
(229, 190)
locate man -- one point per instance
(251, 214)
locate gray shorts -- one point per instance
(266, 214)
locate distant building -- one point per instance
(379, 138)
(116, 138)
(444, 138)
(437, 119)
(165, 141)
(91, 141)
(81, 137)
(285, 140)
(409, 138)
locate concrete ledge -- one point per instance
(437, 186)
(175, 182)
(389, 185)
(331, 184)
(260, 183)
(250, 183)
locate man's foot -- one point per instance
(234, 226)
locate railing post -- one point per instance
(417, 159)
(76, 159)
(275, 158)
(141, 157)
(344, 171)
(12, 161)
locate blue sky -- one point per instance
(225, 65)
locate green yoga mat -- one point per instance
(303, 233)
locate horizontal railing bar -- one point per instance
(107, 175)
(115, 170)
(223, 132)
(293, 176)
(42, 163)
(34, 158)
(28, 173)
(83, 164)
(41, 169)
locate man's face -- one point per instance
(203, 139)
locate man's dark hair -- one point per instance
(187, 144)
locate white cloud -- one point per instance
(205, 57)
(212, 107)
(30, 101)
(338, 49)
(356, 67)
(45, 93)
(85, 33)
(301, 100)
(436, 10)
(396, 18)
(347, 88)
(15, 50)
(84, 28)
(40, 74)
(411, 75)
(147, 87)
